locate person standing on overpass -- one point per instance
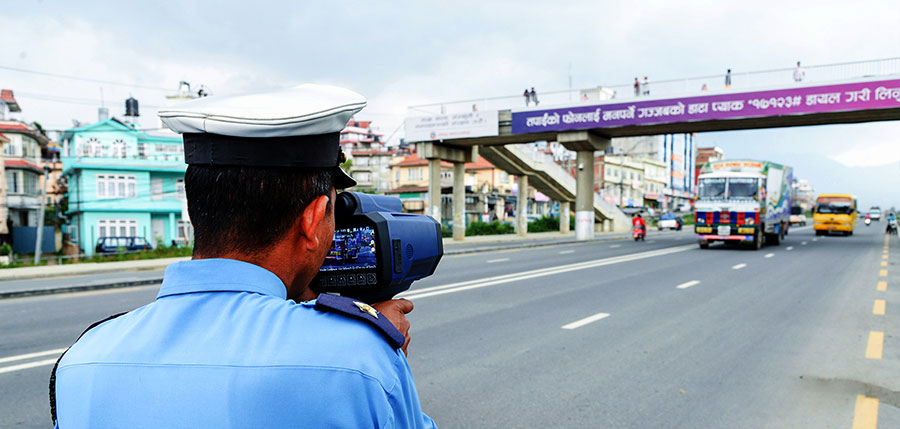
(799, 73)
(534, 96)
(645, 86)
(728, 79)
(637, 87)
(527, 97)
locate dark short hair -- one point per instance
(248, 209)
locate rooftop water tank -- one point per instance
(131, 107)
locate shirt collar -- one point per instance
(220, 275)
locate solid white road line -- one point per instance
(491, 261)
(32, 355)
(508, 278)
(803, 243)
(566, 252)
(615, 245)
(790, 248)
(738, 266)
(22, 366)
(769, 255)
(686, 285)
(579, 323)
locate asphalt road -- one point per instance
(605, 334)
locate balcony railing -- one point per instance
(673, 87)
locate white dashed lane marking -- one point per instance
(590, 319)
(491, 261)
(686, 285)
(738, 266)
(769, 255)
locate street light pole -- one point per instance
(40, 227)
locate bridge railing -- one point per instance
(672, 87)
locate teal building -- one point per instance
(123, 181)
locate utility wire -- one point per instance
(85, 79)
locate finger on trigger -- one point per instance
(404, 305)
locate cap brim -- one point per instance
(342, 180)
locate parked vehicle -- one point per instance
(108, 245)
(835, 214)
(743, 201)
(670, 221)
(797, 216)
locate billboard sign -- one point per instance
(877, 94)
(452, 126)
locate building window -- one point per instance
(185, 227)
(116, 186)
(13, 182)
(11, 148)
(414, 173)
(179, 189)
(31, 183)
(156, 188)
(117, 227)
(118, 149)
(73, 233)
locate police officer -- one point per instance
(235, 337)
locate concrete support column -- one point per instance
(433, 205)
(173, 229)
(522, 207)
(500, 208)
(564, 211)
(584, 196)
(459, 201)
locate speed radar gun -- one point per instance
(377, 251)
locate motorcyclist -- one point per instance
(638, 221)
(892, 224)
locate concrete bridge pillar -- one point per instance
(584, 197)
(564, 211)
(584, 143)
(522, 206)
(459, 201)
(435, 153)
(433, 208)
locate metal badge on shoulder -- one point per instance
(366, 308)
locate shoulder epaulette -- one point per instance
(362, 311)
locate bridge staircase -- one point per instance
(549, 178)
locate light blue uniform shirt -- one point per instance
(222, 347)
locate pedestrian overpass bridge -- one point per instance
(588, 126)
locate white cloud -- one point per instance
(870, 154)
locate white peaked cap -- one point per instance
(307, 109)
(296, 127)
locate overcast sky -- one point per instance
(405, 53)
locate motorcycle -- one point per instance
(638, 233)
(892, 227)
(867, 221)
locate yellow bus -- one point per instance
(835, 213)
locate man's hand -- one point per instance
(395, 310)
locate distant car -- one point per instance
(108, 245)
(797, 216)
(670, 221)
(875, 213)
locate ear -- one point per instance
(312, 218)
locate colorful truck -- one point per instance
(743, 201)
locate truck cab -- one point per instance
(743, 202)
